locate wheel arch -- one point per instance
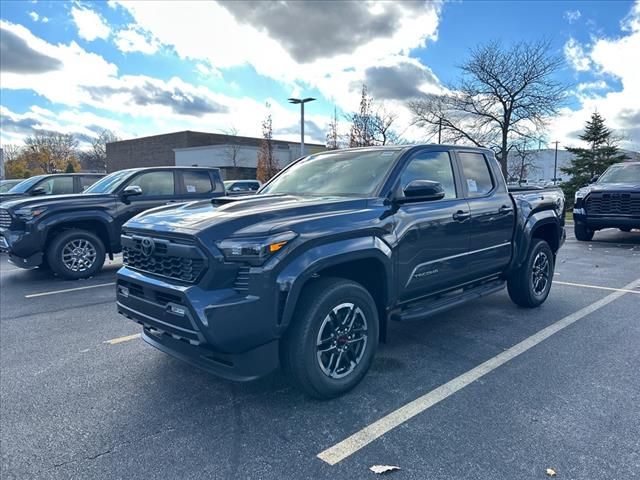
(97, 225)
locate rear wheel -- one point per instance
(529, 286)
(75, 254)
(332, 341)
(582, 232)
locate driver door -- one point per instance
(158, 188)
(433, 235)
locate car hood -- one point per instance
(621, 186)
(85, 200)
(254, 215)
(5, 197)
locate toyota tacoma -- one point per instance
(308, 273)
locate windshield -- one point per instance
(25, 185)
(349, 172)
(629, 173)
(7, 185)
(110, 183)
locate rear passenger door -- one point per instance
(492, 215)
(197, 185)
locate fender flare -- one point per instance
(291, 280)
(68, 217)
(524, 236)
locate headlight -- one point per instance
(29, 213)
(581, 194)
(254, 250)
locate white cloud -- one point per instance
(576, 56)
(132, 39)
(90, 24)
(207, 31)
(599, 85)
(609, 57)
(572, 15)
(34, 16)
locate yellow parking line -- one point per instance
(597, 287)
(55, 292)
(115, 341)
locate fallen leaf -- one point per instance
(550, 472)
(380, 469)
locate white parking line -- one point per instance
(597, 287)
(115, 341)
(360, 439)
(66, 290)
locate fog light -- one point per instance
(178, 310)
(124, 291)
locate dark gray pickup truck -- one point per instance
(308, 273)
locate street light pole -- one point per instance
(301, 101)
(555, 164)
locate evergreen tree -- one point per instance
(362, 123)
(603, 151)
(333, 142)
(69, 168)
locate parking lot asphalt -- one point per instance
(74, 405)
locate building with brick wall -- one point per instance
(235, 156)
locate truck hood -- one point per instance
(622, 186)
(85, 200)
(254, 215)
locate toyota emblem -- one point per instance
(147, 246)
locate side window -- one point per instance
(57, 186)
(197, 182)
(86, 182)
(154, 184)
(434, 166)
(476, 173)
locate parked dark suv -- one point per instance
(72, 233)
(611, 201)
(53, 184)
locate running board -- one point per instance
(427, 308)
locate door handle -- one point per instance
(461, 216)
(505, 209)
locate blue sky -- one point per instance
(143, 68)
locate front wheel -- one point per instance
(530, 284)
(75, 254)
(582, 232)
(333, 338)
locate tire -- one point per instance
(625, 229)
(327, 375)
(75, 254)
(525, 285)
(582, 233)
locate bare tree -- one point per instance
(233, 148)
(382, 125)
(267, 165)
(361, 133)
(521, 164)
(96, 158)
(333, 137)
(503, 95)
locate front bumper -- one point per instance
(17, 245)
(597, 222)
(220, 331)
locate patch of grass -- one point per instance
(568, 217)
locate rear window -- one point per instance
(476, 172)
(197, 182)
(87, 181)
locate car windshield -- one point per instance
(629, 173)
(109, 183)
(25, 185)
(7, 185)
(349, 172)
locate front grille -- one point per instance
(605, 203)
(241, 284)
(5, 218)
(168, 258)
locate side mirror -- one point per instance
(131, 191)
(422, 190)
(38, 191)
(594, 179)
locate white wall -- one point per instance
(221, 156)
